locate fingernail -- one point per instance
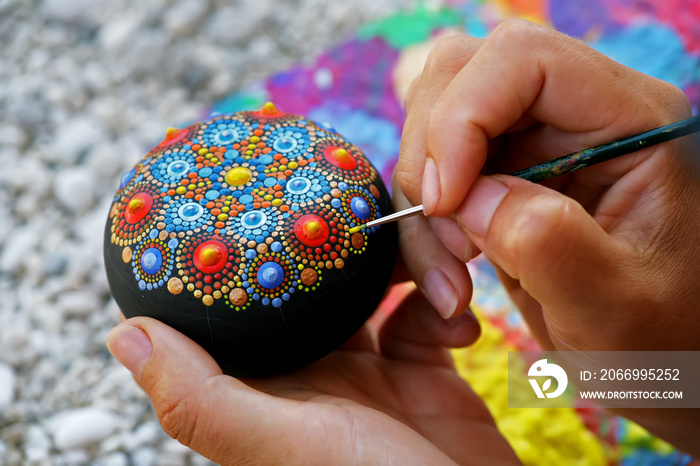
(452, 236)
(431, 186)
(477, 211)
(467, 317)
(130, 346)
(440, 292)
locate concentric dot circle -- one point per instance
(270, 275)
(253, 219)
(238, 176)
(138, 207)
(178, 167)
(151, 261)
(311, 230)
(190, 211)
(298, 185)
(360, 207)
(210, 256)
(285, 144)
(340, 157)
(226, 136)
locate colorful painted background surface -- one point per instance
(356, 87)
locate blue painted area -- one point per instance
(653, 49)
(151, 261)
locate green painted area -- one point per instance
(410, 27)
(244, 100)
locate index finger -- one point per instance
(526, 69)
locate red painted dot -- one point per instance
(210, 256)
(311, 230)
(138, 207)
(340, 157)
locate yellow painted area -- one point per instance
(539, 436)
(238, 176)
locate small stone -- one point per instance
(74, 138)
(144, 457)
(19, 245)
(8, 381)
(185, 17)
(82, 427)
(117, 458)
(79, 303)
(75, 188)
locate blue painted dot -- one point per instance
(246, 199)
(265, 301)
(172, 244)
(250, 254)
(142, 285)
(286, 296)
(270, 275)
(342, 186)
(298, 185)
(276, 246)
(270, 182)
(277, 302)
(335, 202)
(360, 208)
(253, 220)
(265, 159)
(153, 234)
(190, 211)
(126, 177)
(151, 261)
(285, 144)
(178, 168)
(204, 172)
(212, 194)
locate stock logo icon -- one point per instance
(542, 368)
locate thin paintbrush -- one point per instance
(577, 160)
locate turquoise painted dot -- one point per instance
(212, 194)
(204, 172)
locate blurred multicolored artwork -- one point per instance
(358, 87)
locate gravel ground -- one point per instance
(86, 86)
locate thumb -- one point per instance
(561, 256)
(214, 414)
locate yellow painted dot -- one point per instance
(249, 152)
(273, 169)
(191, 186)
(283, 167)
(238, 176)
(202, 151)
(251, 146)
(181, 190)
(277, 202)
(293, 165)
(200, 184)
(225, 209)
(341, 155)
(255, 139)
(268, 197)
(222, 217)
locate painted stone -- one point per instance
(236, 232)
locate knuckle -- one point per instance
(538, 227)
(447, 54)
(177, 413)
(516, 31)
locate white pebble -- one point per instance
(75, 137)
(144, 457)
(17, 247)
(80, 303)
(117, 458)
(82, 427)
(8, 381)
(75, 188)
